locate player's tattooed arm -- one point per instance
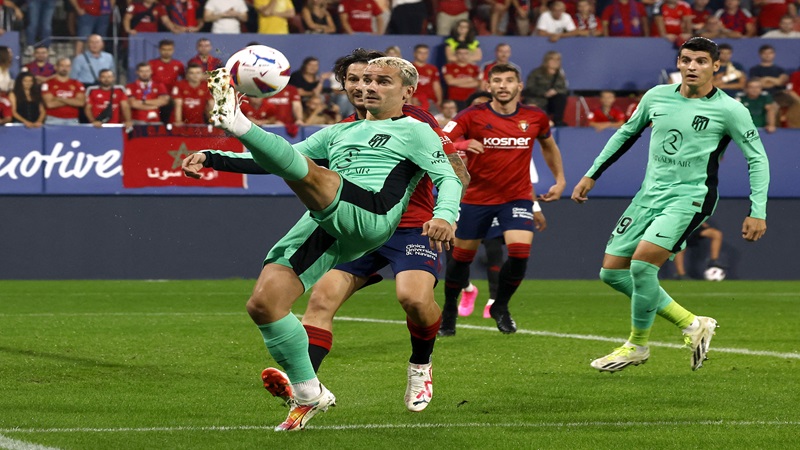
(461, 171)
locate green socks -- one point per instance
(275, 154)
(644, 301)
(620, 280)
(287, 342)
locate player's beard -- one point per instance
(511, 98)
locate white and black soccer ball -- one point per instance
(259, 71)
(714, 274)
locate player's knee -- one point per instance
(321, 304)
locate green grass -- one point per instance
(175, 365)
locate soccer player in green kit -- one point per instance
(692, 124)
(354, 207)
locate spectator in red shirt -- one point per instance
(40, 67)
(204, 57)
(146, 96)
(192, 99)
(429, 87)
(62, 96)
(625, 18)
(6, 113)
(107, 102)
(738, 21)
(462, 77)
(607, 115)
(259, 111)
(166, 70)
(356, 16)
(144, 16)
(183, 14)
(587, 23)
(673, 21)
(288, 109)
(771, 11)
(700, 14)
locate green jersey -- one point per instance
(688, 139)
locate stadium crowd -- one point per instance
(167, 93)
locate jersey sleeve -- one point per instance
(441, 173)
(232, 162)
(317, 145)
(623, 139)
(457, 127)
(745, 134)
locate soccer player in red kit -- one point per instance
(192, 98)
(414, 264)
(500, 187)
(99, 97)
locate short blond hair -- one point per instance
(408, 73)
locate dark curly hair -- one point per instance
(359, 55)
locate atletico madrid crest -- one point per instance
(523, 125)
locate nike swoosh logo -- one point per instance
(659, 235)
(657, 114)
(651, 310)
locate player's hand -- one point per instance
(554, 194)
(440, 234)
(539, 222)
(753, 229)
(474, 146)
(579, 194)
(192, 165)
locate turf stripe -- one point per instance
(367, 426)
(13, 444)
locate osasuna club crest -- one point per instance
(523, 125)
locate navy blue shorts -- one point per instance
(475, 221)
(407, 249)
(494, 230)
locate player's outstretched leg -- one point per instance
(698, 338)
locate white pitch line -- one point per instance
(386, 426)
(13, 444)
(587, 337)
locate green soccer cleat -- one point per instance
(621, 358)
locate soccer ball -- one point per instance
(714, 274)
(258, 71)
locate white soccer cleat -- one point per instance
(300, 414)
(419, 389)
(226, 105)
(621, 358)
(700, 340)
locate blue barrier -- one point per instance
(590, 63)
(86, 160)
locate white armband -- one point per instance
(536, 207)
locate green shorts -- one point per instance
(668, 228)
(340, 233)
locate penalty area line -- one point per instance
(395, 426)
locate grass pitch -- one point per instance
(176, 364)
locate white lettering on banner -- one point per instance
(420, 250)
(507, 141)
(105, 165)
(156, 173)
